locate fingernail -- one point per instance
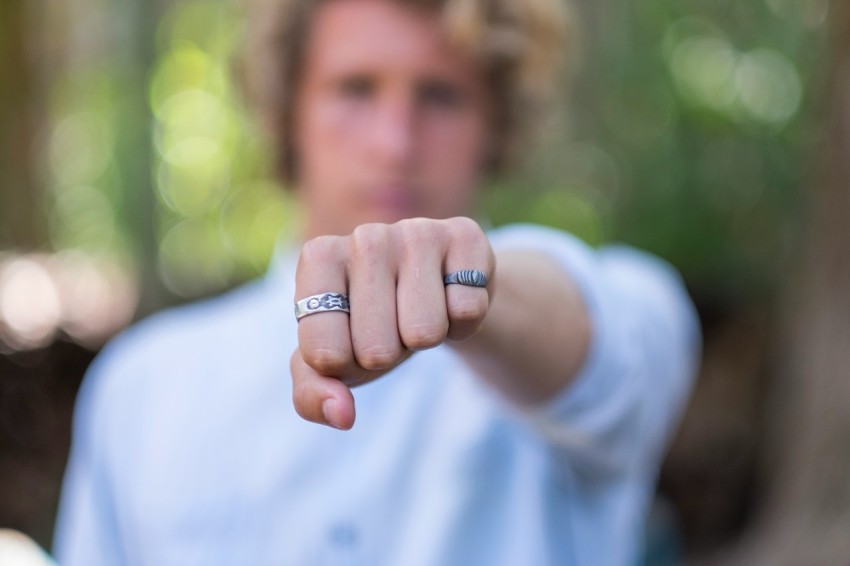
(327, 411)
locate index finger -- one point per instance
(324, 338)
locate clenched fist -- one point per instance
(393, 276)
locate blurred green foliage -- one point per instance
(220, 213)
(684, 134)
(85, 187)
(687, 136)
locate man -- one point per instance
(521, 387)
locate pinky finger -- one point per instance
(320, 399)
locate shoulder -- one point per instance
(183, 348)
(605, 272)
(174, 383)
(613, 267)
(638, 305)
(206, 324)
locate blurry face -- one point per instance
(390, 121)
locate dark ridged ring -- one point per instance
(468, 277)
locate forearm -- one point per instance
(536, 334)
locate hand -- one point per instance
(393, 276)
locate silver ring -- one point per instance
(323, 302)
(468, 277)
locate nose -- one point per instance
(393, 131)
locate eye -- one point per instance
(441, 94)
(357, 86)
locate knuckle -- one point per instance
(369, 239)
(469, 309)
(415, 232)
(326, 361)
(320, 249)
(424, 336)
(414, 225)
(378, 357)
(465, 230)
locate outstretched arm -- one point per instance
(536, 333)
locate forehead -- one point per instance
(384, 34)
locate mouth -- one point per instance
(395, 200)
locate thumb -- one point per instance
(320, 399)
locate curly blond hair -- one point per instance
(520, 45)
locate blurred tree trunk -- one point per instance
(22, 223)
(136, 53)
(806, 515)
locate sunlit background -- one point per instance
(683, 136)
(133, 178)
(216, 213)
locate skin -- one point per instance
(391, 135)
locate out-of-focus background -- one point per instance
(715, 133)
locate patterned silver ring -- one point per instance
(468, 277)
(323, 302)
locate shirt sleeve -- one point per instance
(619, 410)
(86, 528)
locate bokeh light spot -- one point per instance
(29, 304)
(768, 86)
(704, 70)
(252, 220)
(192, 259)
(80, 149)
(82, 217)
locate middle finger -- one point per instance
(372, 284)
